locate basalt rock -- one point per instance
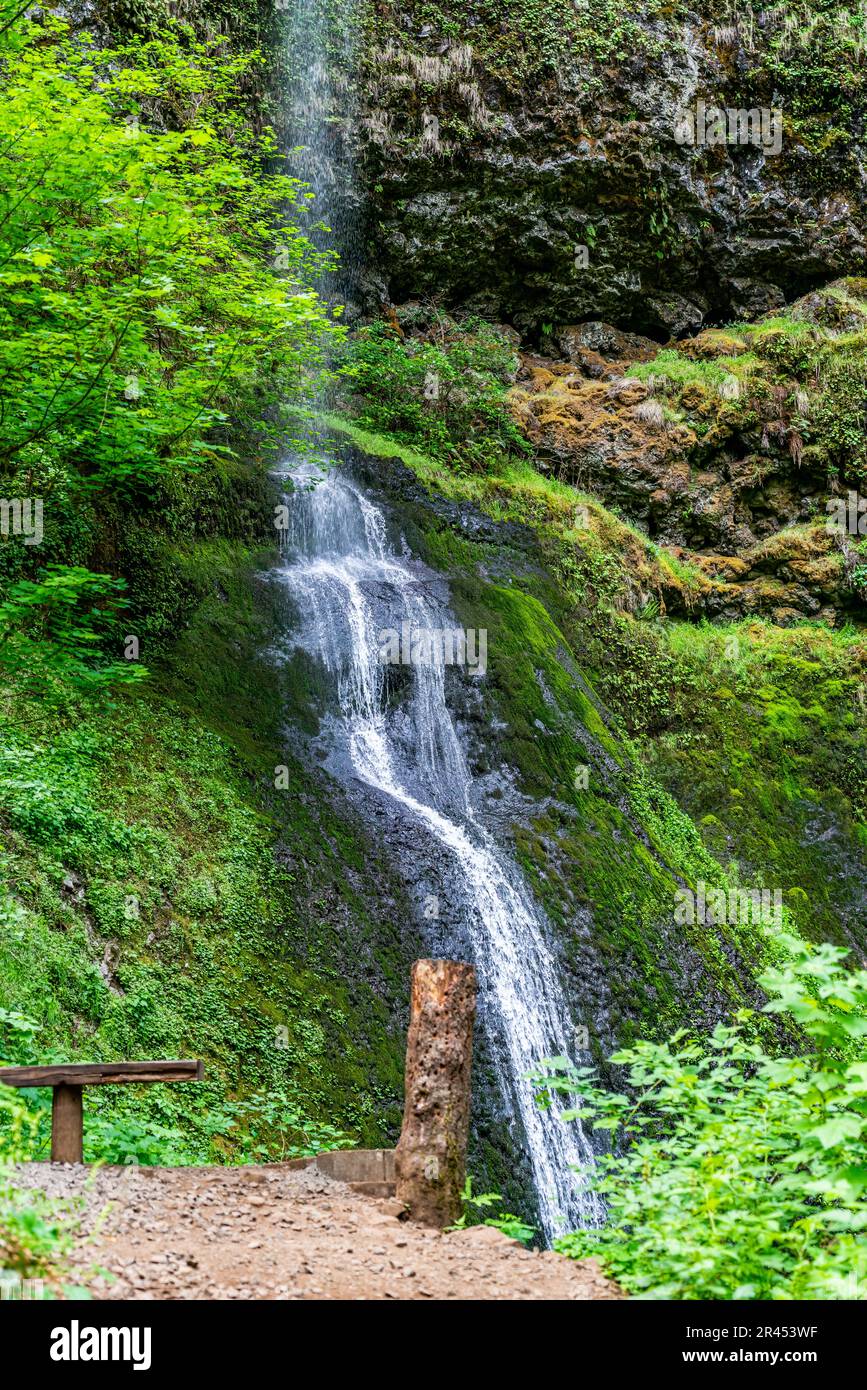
(548, 177)
(705, 455)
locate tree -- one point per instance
(151, 284)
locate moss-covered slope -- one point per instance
(175, 883)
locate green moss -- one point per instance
(218, 948)
(778, 761)
(680, 370)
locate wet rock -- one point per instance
(568, 197)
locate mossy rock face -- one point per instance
(605, 882)
(182, 884)
(531, 161)
(178, 904)
(169, 893)
(737, 451)
(758, 731)
(606, 858)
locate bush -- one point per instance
(737, 1174)
(443, 392)
(270, 1127)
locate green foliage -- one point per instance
(36, 1237)
(145, 913)
(271, 1128)
(264, 1127)
(799, 376)
(813, 53)
(141, 332)
(139, 309)
(840, 409)
(475, 1203)
(738, 1173)
(157, 302)
(17, 1035)
(765, 728)
(260, 1128)
(53, 633)
(679, 713)
(649, 612)
(668, 366)
(442, 391)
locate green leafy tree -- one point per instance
(53, 633)
(152, 287)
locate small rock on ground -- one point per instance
(277, 1233)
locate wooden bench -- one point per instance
(68, 1079)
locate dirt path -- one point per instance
(275, 1233)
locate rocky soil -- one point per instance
(276, 1233)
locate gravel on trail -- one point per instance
(272, 1232)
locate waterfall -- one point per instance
(320, 125)
(349, 586)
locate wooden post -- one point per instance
(430, 1161)
(67, 1125)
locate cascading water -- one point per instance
(350, 585)
(320, 123)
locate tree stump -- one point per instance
(430, 1161)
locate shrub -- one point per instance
(737, 1174)
(443, 393)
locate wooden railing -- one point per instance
(68, 1079)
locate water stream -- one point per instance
(350, 584)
